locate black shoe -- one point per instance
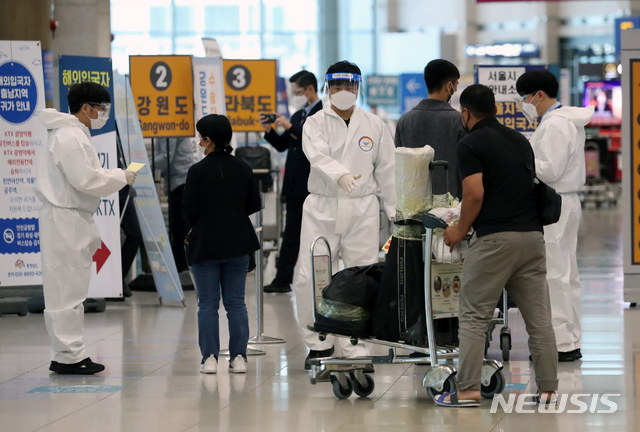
(277, 287)
(126, 291)
(53, 367)
(317, 354)
(368, 369)
(566, 356)
(84, 367)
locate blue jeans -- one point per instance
(226, 276)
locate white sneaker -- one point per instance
(238, 365)
(210, 365)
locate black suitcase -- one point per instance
(258, 158)
(399, 314)
(348, 301)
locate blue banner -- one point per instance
(154, 230)
(412, 90)
(77, 69)
(20, 235)
(626, 23)
(282, 103)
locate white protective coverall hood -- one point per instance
(350, 223)
(558, 147)
(70, 182)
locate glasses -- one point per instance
(103, 106)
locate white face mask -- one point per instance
(299, 101)
(98, 123)
(343, 100)
(529, 110)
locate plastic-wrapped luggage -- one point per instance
(347, 302)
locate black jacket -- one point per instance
(219, 195)
(296, 168)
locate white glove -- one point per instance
(131, 177)
(348, 182)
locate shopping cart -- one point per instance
(347, 375)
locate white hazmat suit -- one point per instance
(70, 183)
(349, 222)
(558, 146)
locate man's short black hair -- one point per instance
(536, 80)
(86, 92)
(304, 79)
(480, 100)
(439, 72)
(344, 66)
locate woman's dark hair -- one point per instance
(479, 99)
(86, 93)
(218, 129)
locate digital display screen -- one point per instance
(606, 98)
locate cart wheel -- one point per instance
(354, 341)
(322, 337)
(505, 345)
(338, 391)
(363, 391)
(449, 386)
(495, 386)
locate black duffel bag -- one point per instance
(347, 302)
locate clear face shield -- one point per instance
(343, 89)
(104, 108)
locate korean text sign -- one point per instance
(22, 139)
(502, 80)
(163, 90)
(250, 88)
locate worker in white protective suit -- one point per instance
(352, 159)
(69, 183)
(558, 146)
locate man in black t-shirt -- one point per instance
(507, 249)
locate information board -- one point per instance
(163, 91)
(250, 88)
(22, 139)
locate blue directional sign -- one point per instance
(412, 90)
(382, 90)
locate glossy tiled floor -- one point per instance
(152, 381)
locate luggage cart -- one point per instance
(505, 331)
(346, 374)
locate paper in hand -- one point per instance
(135, 166)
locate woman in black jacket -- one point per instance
(220, 193)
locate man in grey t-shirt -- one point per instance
(434, 122)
